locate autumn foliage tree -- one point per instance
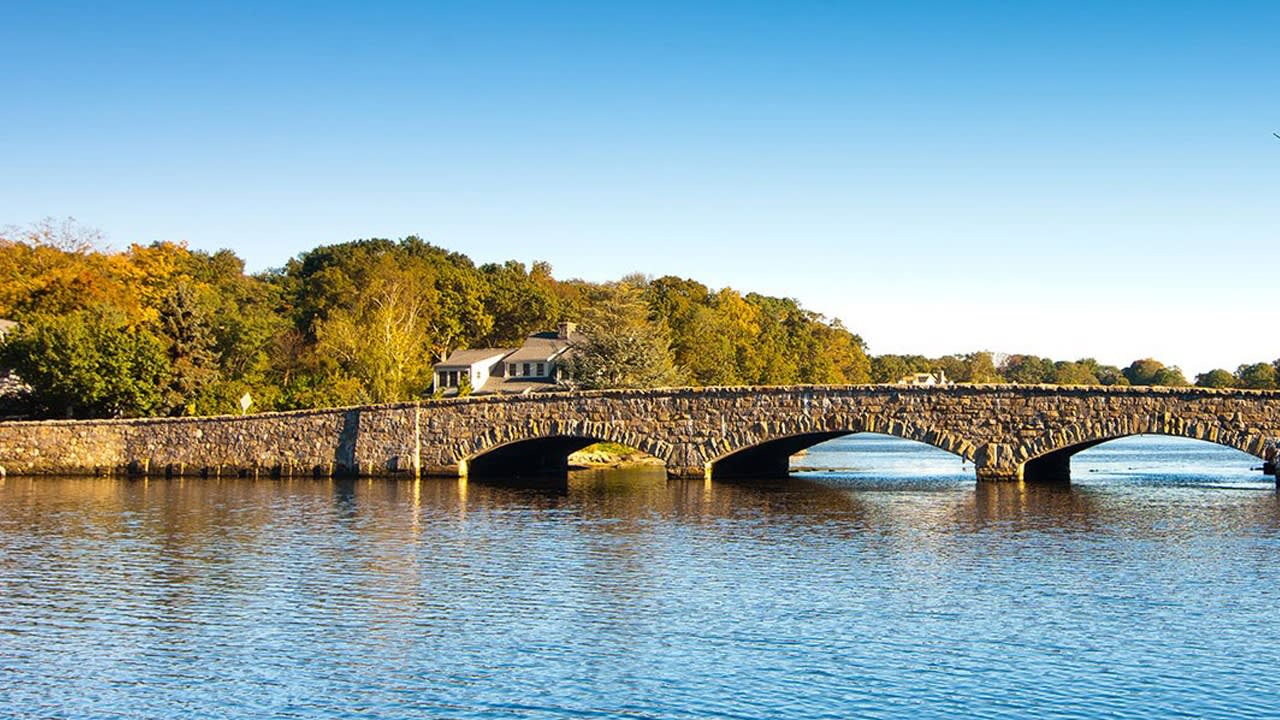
(163, 329)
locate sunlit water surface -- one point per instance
(882, 582)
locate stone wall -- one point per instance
(1007, 431)
(370, 441)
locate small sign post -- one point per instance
(245, 402)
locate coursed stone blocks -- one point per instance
(1002, 429)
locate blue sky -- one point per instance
(1066, 179)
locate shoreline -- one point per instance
(607, 455)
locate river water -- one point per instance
(878, 581)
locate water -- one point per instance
(883, 583)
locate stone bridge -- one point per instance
(1009, 432)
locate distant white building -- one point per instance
(925, 379)
(536, 366)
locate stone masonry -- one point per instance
(1009, 432)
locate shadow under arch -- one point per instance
(1049, 458)
(514, 454)
(771, 456)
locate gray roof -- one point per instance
(542, 347)
(467, 358)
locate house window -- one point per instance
(511, 370)
(526, 369)
(542, 369)
(453, 378)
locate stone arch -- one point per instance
(764, 448)
(1048, 457)
(543, 447)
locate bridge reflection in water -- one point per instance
(896, 486)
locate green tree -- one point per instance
(702, 340)
(184, 323)
(622, 347)
(1169, 377)
(89, 363)
(446, 287)
(1106, 374)
(892, 368)
(955, 367)
(833, 354)
(380, 346)
(1143, 372)
(1027, 369)
(888, 368)
(1218, 378)
(1074, 373)
(707, 346)
(520, 303)
(980, 367)
(1258, 376)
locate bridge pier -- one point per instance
(456, 470)
(689, 472)
(997, 463)
(1054, 472)
(998, 474)
(994, 462)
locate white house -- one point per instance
(536, 366)
(542, 355)
(926, 379)
(475, 366)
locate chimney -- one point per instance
(565, 329)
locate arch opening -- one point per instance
(547, 456)
(1055, 466)
(773, 458)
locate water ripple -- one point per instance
(903, 590)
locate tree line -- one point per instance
(162, 329)
(986, 367)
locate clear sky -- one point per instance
(1061, 178)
